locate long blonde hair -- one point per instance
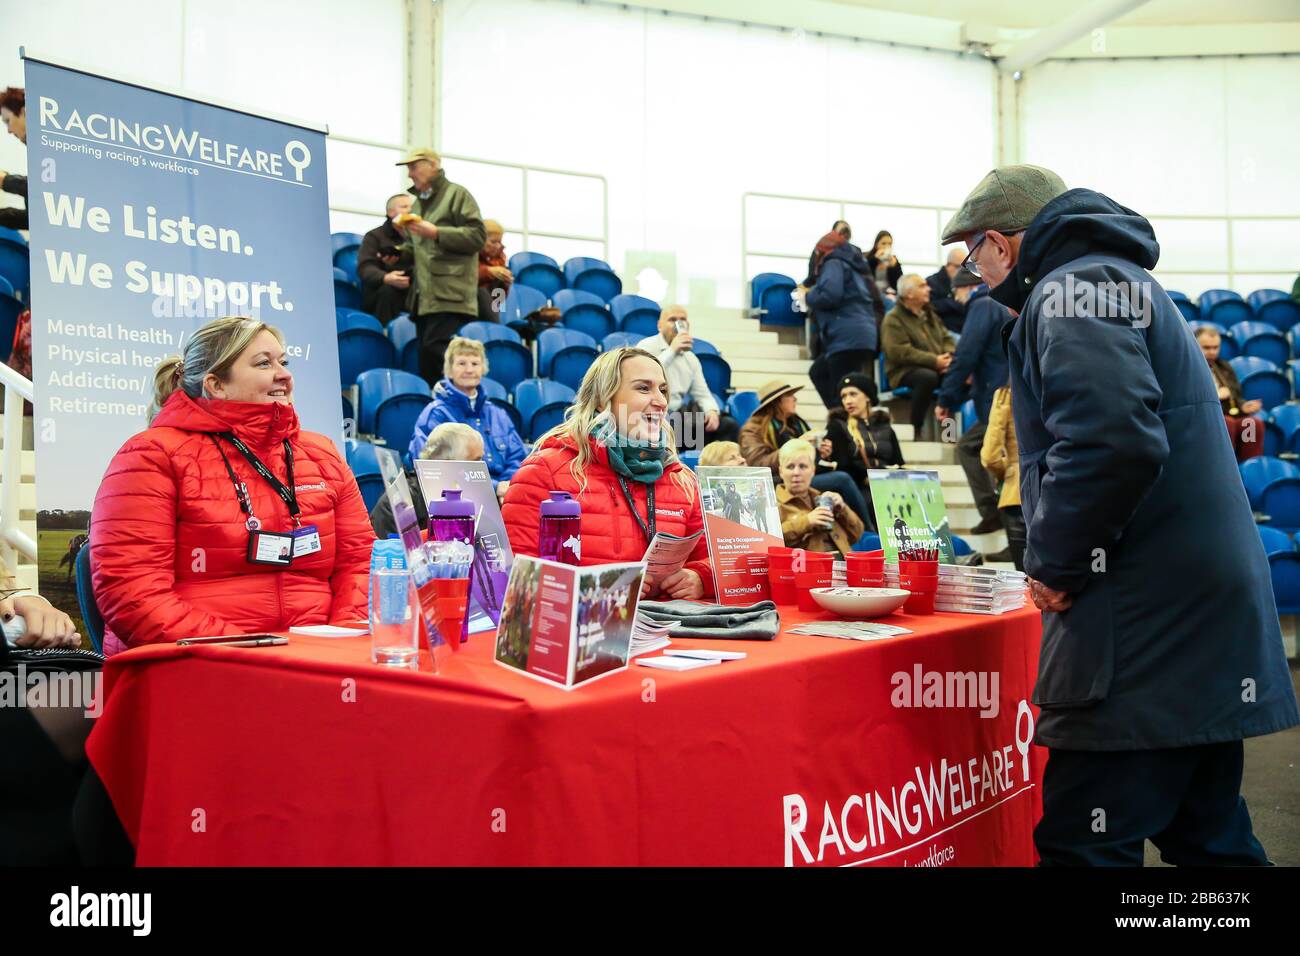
(212, 350)
(595, 395)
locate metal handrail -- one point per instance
(17, 389)
(526, 168)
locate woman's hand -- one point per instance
(47, 626)
(684, 585)
(836, 500)
(824, 448)
(1252, 406)
(1224, 394)
(821, 517)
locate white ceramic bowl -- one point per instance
(860, 602)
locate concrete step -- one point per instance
(985, 543)
(928, 453)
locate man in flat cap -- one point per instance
(1161, 645)
(446, 238)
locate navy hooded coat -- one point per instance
(1133, 501)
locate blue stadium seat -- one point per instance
(1274, 439)
(1287, 420)
(1261, 379)
(635, 314)
(690, 458)
(901, 392)
(509, 362)
(346, 260)
(1225, 307)
(346, 295)
(592, 275)
(13, 234)
(1262, 341)
(1284, 569)
(496, 394)
(770, 294)
(521, 302)
(716, 372)
(701, 347)
(15, 265)
(406, 340)
(960, 546)
(618, 340)
(542, 404)
(1275, 540)
(361, 350)
(1258, 473)
(364, 462)
(345, 319)
(551, 342)
(7, 288)
(377, 386)
(342, 240)
(86, 599)
(1191, 312)
(969, 416)
(1229, 348)
(1274, 307)
(349, 413)
(741, 405)
(584, 312)
(10, 309)
(490, 332)
(870, 541)
(1281, 503)
(537, 271)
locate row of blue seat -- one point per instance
(1258, 339)
(15, 266)
(1265, 381)
(1227, 308)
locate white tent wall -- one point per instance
(683, 116)
(335, 62)
(1213, 140)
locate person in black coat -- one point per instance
(1161, 648)
(846, 325)
(384, 264)
(861, 437)
(884, 265)
(945, 297)
(13, 113)
(821, 372)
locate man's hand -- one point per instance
(397, 280)
(1049, 599)
(943, 361)
(425, 230)
(682, 342)
(961, 293)
(47, 626)
(711, 421)
(940, 413)
(684, 584)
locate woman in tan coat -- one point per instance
(1000, 456)
(804, 522)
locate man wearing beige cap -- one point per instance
(446, 235)
(1161, 644)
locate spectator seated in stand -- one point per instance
(384, 264)
(690, 399)
(948, 298)
(724, 453)
(981, 361)
(861, 437)
(450, 441)
(13, 112)
(805, 522)
(774, 423)
(614, 454)
(494, 278)
(918, 349)
(1245, 431)
(458, 398)
(884, 265)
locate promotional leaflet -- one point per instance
(741, 521)
(910, 513)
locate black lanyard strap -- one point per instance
(647, 529)
(286, 492)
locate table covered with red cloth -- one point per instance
(812, 750)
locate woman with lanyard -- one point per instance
(614, 454)
(223, 516)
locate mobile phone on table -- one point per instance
(236, 640)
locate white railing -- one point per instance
(524, 228)
(12, 538)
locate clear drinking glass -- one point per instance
(394, 620)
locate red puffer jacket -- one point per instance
(609, 531)
(168, 541)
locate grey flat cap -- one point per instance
(1007, 199)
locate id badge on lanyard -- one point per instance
(274, 548)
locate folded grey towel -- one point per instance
(737, 622)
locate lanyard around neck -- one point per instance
(648, 525)
(286, 492)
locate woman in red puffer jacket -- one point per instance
(615, 429)
(170, 534)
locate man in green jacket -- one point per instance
(445, 242)
(918, 348)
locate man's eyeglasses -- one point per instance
(969, 263)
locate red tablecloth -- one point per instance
(309, 754)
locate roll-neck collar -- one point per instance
(259, 424)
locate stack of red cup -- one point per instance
(817, 572)
(780, 574)
(865, 569)
(451, 604)
(921, 578)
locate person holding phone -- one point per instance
(812, 521)
(224, 516)
(697, 417)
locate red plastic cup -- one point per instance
(784, 592)
(922, 568)
(921, 602)
(450, 605)
(804, 561)
(858, 578)
(779, 551)
(804, 583)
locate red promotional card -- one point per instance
(741, 521)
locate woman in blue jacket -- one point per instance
(458, 398)
(842, 309)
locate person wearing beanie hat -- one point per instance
(861, 437)
(1162, 647)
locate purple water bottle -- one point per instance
(559, 535)
(452, 519)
